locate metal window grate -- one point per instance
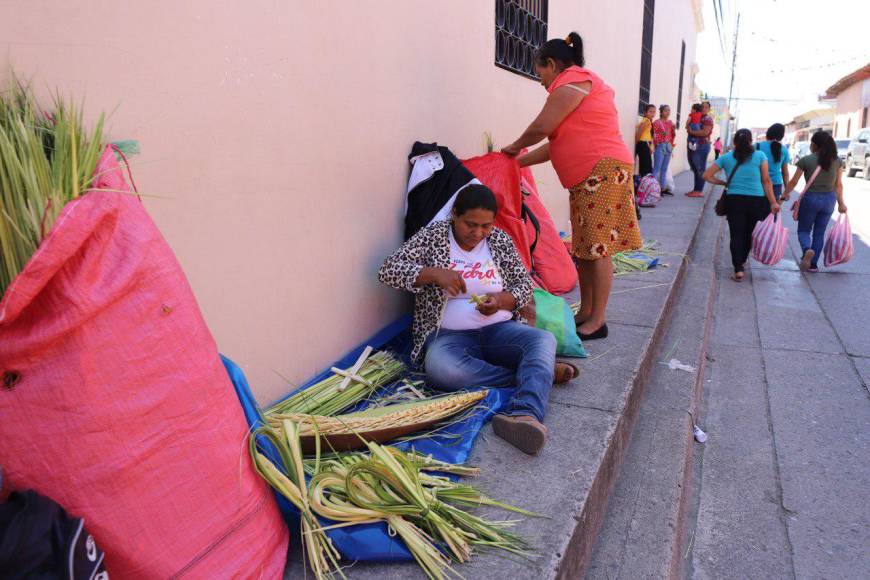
(680, 88)
(646, 54)
(520, 30)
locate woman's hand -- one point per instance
(785, 196)
(513, 149)
(450, 280)
(841, 207)
(489, 306)
(774, 207)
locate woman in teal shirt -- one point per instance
(750, 195)
(778, 157)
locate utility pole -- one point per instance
(729, 131)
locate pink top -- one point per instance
(589, 133)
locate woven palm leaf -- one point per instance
(352, 431)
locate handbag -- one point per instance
(795, 207)
(720, 203)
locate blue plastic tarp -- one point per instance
(372, 542)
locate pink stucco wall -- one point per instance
(849, 111)
(274, 136)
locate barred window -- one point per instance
(649, 7)
(520, 30)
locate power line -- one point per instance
(717, 6)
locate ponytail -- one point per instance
(565, 53)
(743, 145)
(775, 133)
(826, 149)
(576, 43)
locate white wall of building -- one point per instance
(274, 136)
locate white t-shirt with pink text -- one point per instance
(481, 277)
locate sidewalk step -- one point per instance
(643, 535)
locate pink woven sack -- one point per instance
(769, 240)
(839, 247)
(115, 404)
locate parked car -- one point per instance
(842, 149)
(858, 154)
(800, 149)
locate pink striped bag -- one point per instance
(769, 240)
(838, 247)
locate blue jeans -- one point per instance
(661, 160)
(814, 213)
(777, 190)
(698, 163)
(506, 354)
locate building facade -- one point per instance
(802, 127)
(275, 135)
(852, 94)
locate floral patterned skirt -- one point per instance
(603, 217)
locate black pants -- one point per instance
(644, 157)
(743, 212)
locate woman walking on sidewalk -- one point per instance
(643, 141)
(815, 206)
(664, 134)
(749, 195)
(717, 147)
(778, 157)
(593, 163)
(700, 139)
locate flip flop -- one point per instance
(738, 277)
(560, 376)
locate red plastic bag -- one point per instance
(839, 247)
(115, 404)
(501, 174)
(553, 267)
(769, 240)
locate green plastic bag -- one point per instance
(554, 315)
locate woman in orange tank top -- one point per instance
(589, 155)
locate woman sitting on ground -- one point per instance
(750, 196)
(469, 283)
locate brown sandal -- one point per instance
(564, 372)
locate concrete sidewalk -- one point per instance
(590, 421)
(785, 486)
(780, 489)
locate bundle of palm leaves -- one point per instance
(47, 158)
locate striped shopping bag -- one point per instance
(769, 240)
(838, 247)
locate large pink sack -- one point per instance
(769, 240)
(553, 266)
(839, 247)
(114, 402)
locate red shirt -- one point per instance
(589, 133)
(664, 131)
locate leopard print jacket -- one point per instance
(430, 247)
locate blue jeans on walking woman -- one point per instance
(661, 160)
(814, 214)
(505, 354)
